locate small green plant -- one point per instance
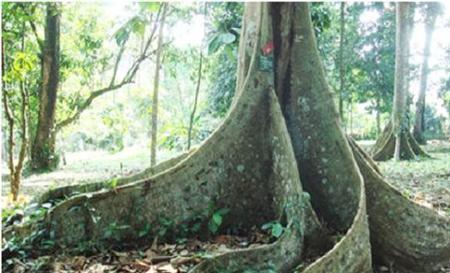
(275, 228)
(114, 231)
(113, 183)
(216, 219)
(165, 227)
(145, 230)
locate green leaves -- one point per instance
(115, 231)
(220, 39)
(149, 6)
(135, 25)
(121, 36)
(22, 65)
(113, 183)
(227, 38)
(275, 228)
(216, 220)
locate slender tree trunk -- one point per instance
(401, 72)
(419, 124)
(10, 119)
(197, 90)
(17, 175)
(378, 117)
(194, 109)
(43, 150)
(154, 129)
(350, 106)
(341, 64)
(16, 170)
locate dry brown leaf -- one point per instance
(168, 247)
(151, 270)
(97, 268)
(150, 253)
(78, 262)
(167, 268)
(178, 261)
(119, 254)
(141, 265)
(155, 244)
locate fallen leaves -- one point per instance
(158, 258)
(425, 181)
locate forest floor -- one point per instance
(178, 257)
(427, 181)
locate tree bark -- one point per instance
(43, 150)
(401, 75)
(154, 129)
(419, 124)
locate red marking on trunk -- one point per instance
(268, 48)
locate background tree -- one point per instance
(431, 12)
(42, 153)
(396, 140)
(159, 50)
(15, 98)
(70, 105)
(372, 73)
(197, 90)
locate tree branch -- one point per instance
(128, 78)
(10, 120)
(33, 28)
(116, 64)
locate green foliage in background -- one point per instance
(223, 39)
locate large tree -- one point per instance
(49, 123)
(396, 141)
(42, 153)
(431, 12)
(280, 155)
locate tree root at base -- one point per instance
(385, 146)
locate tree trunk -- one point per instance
(401, 75)
(154, 129)
(280, 148)
(341, 64)
(419, 124)
(194, 108)
(396, 141)
(15, 171)
(43, 150)
(378, 116)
